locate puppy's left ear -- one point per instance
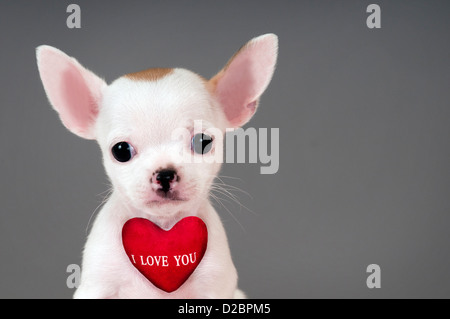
(74, 92)
(240, 84)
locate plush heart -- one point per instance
(166, 258)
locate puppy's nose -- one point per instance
(165, 178)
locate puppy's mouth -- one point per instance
(168, 195)
(161, 196)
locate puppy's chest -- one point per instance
(146, 261)
(166, 258)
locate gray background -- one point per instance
(364, 120)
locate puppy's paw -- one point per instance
(239, 294)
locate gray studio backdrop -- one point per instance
(364, 121)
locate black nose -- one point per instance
(165, 177)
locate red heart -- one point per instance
(166, 258)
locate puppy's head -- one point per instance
(160, 130)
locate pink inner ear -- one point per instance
(73, 91)
(246, 77)
(252, 106)
(80, 109)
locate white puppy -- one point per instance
(154, 175)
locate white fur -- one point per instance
(146, 113)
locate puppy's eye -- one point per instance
(201, 143)
(123, 151)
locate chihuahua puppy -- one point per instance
(133, 120)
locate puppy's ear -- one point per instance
(73, 91)
(239, 85)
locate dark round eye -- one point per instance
(123, 151)
(201, 143)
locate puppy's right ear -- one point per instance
(73, 91)
(240, 84)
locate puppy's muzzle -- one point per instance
(166, 179)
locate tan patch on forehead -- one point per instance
(149, 74)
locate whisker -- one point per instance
(103, 201)
(221, 188)
(219, 200)
(233, 187)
